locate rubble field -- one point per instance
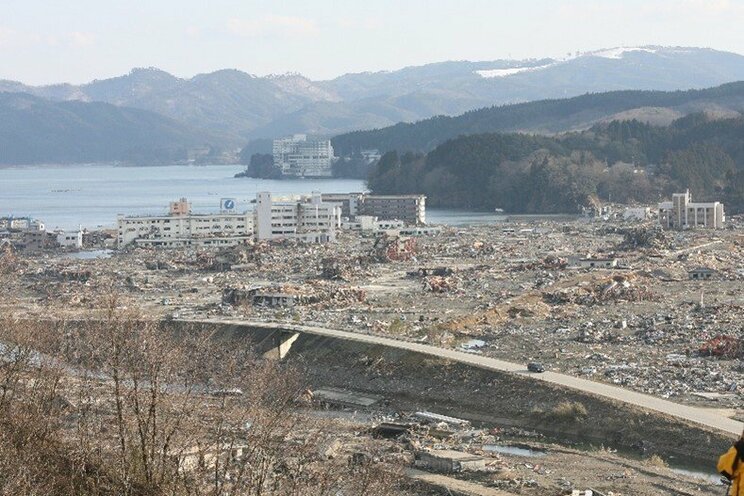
(521, 296)
(665, 318)
(519, 461)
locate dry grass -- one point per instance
(656, 461)
(569, 412)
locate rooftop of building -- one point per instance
(393, 197)
(181, 216)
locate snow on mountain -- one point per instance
(498, 73)
(619, 52)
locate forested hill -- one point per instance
(622, 161)
(35, 130)
(547, 117)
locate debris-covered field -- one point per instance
(644, 324)
(655, 311)
(514, 460)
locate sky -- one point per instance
(53, 41)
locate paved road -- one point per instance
(698, 415)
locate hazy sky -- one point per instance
(44, 41)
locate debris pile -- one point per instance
(236, 296)
(617, 288)
(72, 274)
(158, 265)
(651, 237)
(291, 295)
(431, 271)
(9, 262)
(550, 262)
(342, 268)
(389, 248)
(501, 285)
(440, 284)
(722, 346)
(589, 333)
(346, 295)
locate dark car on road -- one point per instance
(535, 367)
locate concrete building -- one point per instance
(410, 209)
(299, 156)
(70, 239)
(683, 213)
(349, 202)
(304, 218)
(30, 234)
(37, 239)
(181, 228)
(368, 223)
(11, 223)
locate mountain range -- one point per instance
(236, 106)
(230, 108)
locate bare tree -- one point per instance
(118, 404)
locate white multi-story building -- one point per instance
(70, 239)
(304, 218)
(683, 213)
(181, 228)
(302, 157)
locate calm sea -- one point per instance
(92, 195)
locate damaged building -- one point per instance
(304, 218)
(410, 209)
(683, 213)
(182, 228)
